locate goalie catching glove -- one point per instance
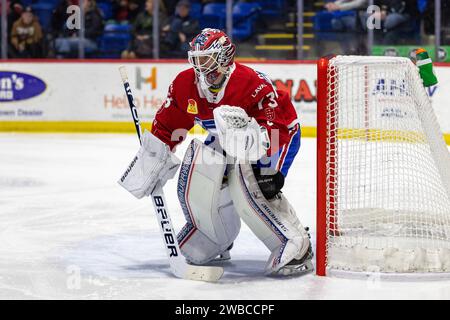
(240, 135)
(153, 163)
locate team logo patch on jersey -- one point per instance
(192, 106)
(270, 113)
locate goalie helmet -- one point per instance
(211, 54)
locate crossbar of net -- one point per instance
(388, 170)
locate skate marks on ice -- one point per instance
(140, 255)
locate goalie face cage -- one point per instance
(383, 171)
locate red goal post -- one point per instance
(322, 135)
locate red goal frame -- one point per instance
(326, 147)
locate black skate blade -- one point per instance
(294, 270)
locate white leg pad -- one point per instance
(212, 222)
(273, 221)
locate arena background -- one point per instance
(44, 88)
(87, 96)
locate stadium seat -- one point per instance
(272, 7)
(196, 10)
(215, 8)
(244, 17)
(323, 27)
(53, 3)
(112, 45)
(114, 40)
(117, 28)
(44, 12)
(409, 32)
(422, 5)
(246, 9)
(213, 16)
(27, 3)
(106, 10)
(322, 21)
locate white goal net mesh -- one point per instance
(388, 170)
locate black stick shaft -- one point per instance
(131, 103)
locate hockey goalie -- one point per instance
(239, 170)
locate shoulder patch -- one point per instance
(192, 106)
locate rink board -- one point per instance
(60, 96)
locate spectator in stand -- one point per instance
(396, 18)
(142, 44)
(134, 9)
(179, 31)
(14, 10)
(120, 11)
(60, 16)
(126, 10)
(67, 45)
(169, 7)
(26, 36)
(346, 22)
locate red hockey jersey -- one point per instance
(187, 105)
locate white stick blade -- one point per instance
(203, 273)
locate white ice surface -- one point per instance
(68, 231)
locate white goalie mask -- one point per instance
(211, 55)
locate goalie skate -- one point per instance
(224, 256)
(298, 266)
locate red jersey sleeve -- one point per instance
(268, 105)
(171, 123)
(269, 114)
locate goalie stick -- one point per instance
(178, 264)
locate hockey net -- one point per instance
(383, 170)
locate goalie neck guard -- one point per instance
(211, 55)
